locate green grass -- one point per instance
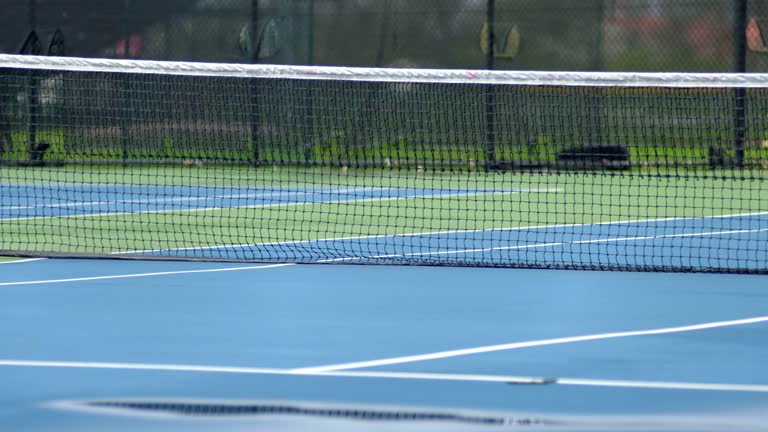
(575, 197)
(440, 150)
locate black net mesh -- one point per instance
(207, 161)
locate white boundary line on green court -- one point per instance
(21, 260)
(527, 344)
(434, 233)
(254, 206)
(172, 199)
(147, 201)
(521, 380)
(136, 275)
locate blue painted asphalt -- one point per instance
(310, 315)
(707, 243)
(704, 243)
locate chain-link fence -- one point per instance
(649, 35)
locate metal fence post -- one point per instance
(33, 95)
(254, 91)
(490, 138)
(740, 66)
(125, 80)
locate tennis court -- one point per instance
(562, 349)
(524, 220)
(69, 200)
(198, 247)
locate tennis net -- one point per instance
(658, 172)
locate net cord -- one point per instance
(394, 75)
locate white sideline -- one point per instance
(136, 275)
(668, 385)
(434, 233)
(21, 261)
(527, 344)
(550, 244)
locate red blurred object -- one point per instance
(134, 46)
(755, 40)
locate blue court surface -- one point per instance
(730, 242)
(107, 345)
(723, 242)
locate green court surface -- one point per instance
(487, 200)
(7, 259)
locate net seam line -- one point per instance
(391, 75)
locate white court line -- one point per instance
(196, 198)
(253, 206)
(669, 385)
(145, 201)
(21, 261)
(454, 232)
(527, 344)
(551, 244)
(663, 385)
(136, 275)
